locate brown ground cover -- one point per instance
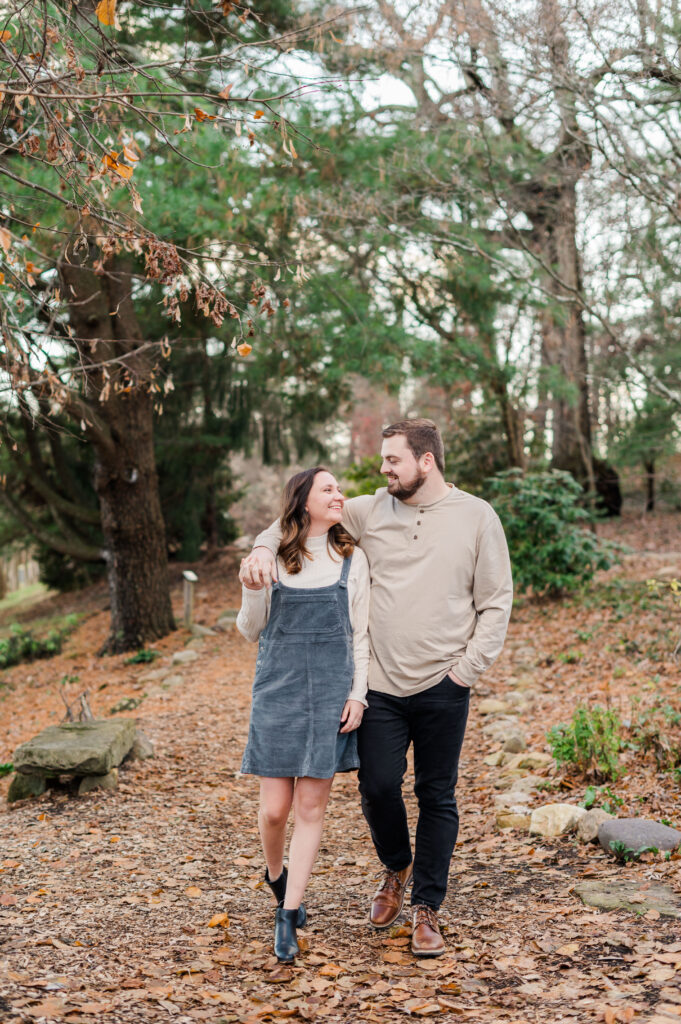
(106, 901)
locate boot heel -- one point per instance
(278, 887)
(285, 941)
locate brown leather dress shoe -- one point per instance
(389, 897)
(426, 939)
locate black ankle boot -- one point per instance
(285, 940)
(278, 887)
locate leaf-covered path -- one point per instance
(105, 901)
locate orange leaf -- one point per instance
(5, 239)
(331, 971)
(224, 95)
(5, 35)
(2, 278)
(193, 891)
(245, 349)
(258, 114)
(219, 919)
(106, 11)
(201, 115)
(130, 155)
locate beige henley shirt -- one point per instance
(441, 588)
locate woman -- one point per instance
(310, 684)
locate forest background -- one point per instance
(261, 231)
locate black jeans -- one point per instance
(435, 722)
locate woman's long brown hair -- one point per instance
(295, 523)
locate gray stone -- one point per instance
(555, 819)
(522, 783)
(195, 644)
(142, 748)
(171, 681)
(198, 630)
(155, 675)
(637, 834)
(668, 572)
(514, 743)
(78, 748)
(587, 829)
(512, 819)
(184, 657)
(24, 786)
(492, 706)
(126, 704)
(524, 681)
(525, 657)
(639, 897)
(498, 728)
(495, 759)
(529, 759)
(90, 782)
(518, 700)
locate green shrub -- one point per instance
(22, 645)
(365, 477)
(146, 654)
(552, 548)
(591, 741)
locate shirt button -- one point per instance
(418, 522)
(415, 537)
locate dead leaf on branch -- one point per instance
(106, 12)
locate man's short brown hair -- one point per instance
(421, 436)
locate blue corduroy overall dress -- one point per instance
(302, 680)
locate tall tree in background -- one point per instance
(84, 110)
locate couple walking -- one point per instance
(364, 650)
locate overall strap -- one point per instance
(343, 581)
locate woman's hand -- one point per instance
(258, 569)
(352, 715)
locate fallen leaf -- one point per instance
(193, 891)
(331, 971)
(48, 1008)
(221, 920)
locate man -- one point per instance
(441, 595)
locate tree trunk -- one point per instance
(564, 338)
(118, 418)
(649, 466)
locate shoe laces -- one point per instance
(392, 882)
(424, 914)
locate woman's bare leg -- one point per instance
(276, 798)
(310, 798)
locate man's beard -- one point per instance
(405, 491)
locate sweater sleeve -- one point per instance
(358, 593)
(254, 612)
(493, 599)
(269, 538)
(355, 514)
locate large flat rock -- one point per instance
(636, 835)
(638, 897)
(78, 748)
